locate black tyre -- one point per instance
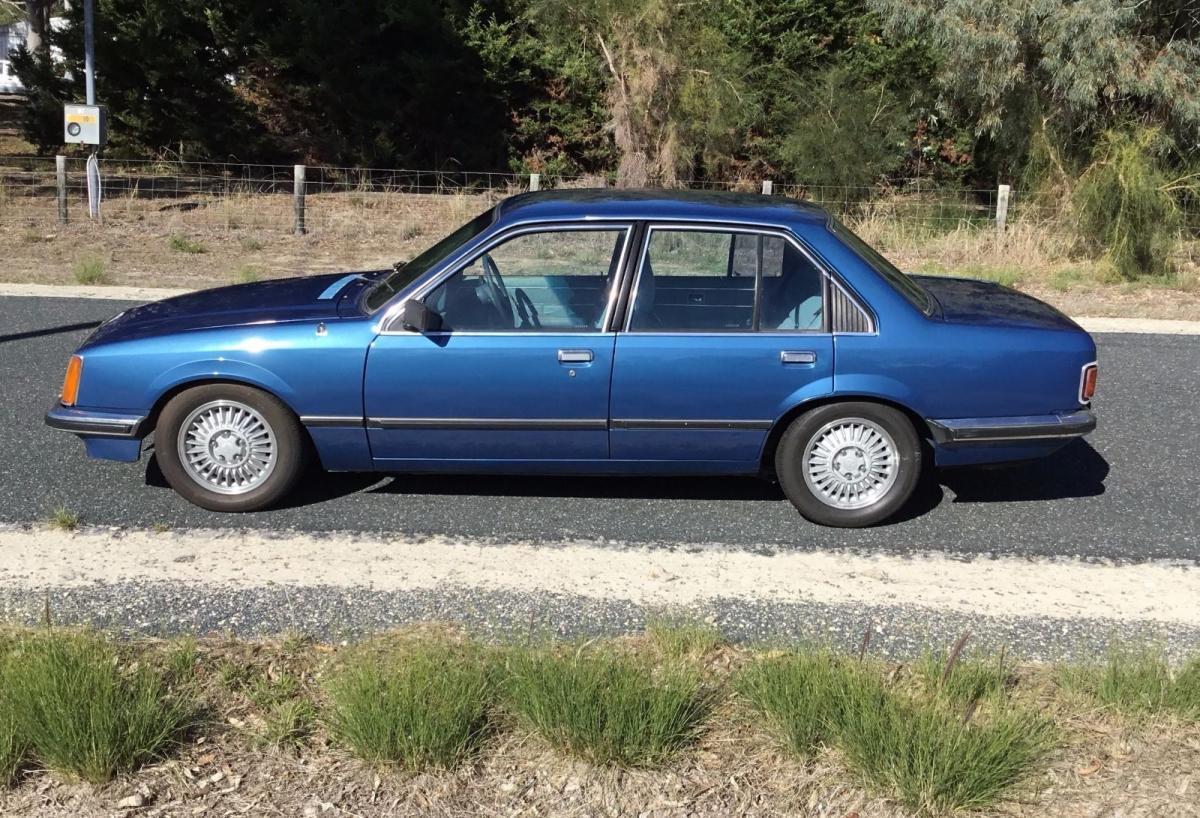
(227, 447)
(849, 464)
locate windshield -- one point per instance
(408, 272)
(910, 289)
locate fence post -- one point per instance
(298, 200)
(768, 187)
(535, 182)
(60, 170)
(1001, 208)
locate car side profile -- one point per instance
(594, 332)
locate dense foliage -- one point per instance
(857, 94)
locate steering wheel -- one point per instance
(496, 291)
(526, 310)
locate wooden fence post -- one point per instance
(298, 200)
(1002, 208)
(768, 187)
(60, 169)
(535, 182)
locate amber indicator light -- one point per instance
(70, 388)
(1089, 384)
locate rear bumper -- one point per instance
(90, 423)
(1027, 428)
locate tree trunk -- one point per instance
(37, 23)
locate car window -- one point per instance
(550, 280)
(701, 281)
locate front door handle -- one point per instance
(574, 356)
(788, 356)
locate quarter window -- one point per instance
(552, 280)
(704, 281)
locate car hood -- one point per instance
(970, 301)
(310, 298)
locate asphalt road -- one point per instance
(1128, 492)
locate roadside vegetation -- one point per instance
(953, 731)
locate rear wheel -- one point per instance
(227, 447)
(849, 464)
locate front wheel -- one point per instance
(849, 464)
(227, 447)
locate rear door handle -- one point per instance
(574, 356)
(797, 357)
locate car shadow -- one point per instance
(1077, 470)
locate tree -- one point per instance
(676, 93)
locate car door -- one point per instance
(519, 371)
(725, 330)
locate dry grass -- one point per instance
(144, 241)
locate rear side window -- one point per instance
(724, 281)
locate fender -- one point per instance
(220, 369)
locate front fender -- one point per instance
(220, 369)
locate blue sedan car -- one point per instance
(594, 332)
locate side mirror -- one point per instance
(416, 317)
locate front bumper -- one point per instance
(90, 423)
(1027, 428)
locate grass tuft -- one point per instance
(422, 706)
(91, 269)
(83, 711)
(681, 638)
(964, 680)
(798, 695)
(182, 244)
(289, 723)
(1139, 683)
(64, 519)
(250, 244)
(605, 706)
(247, 274)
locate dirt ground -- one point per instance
(1104, 766)
(209, 242)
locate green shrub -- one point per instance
(86, 713)
(1124, 203)
(605, 706)
(798, 694)
(182, 244)
(91, 270)
(424, 706)
(932, 757)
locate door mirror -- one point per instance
(415, 316)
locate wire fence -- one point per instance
(226, 196)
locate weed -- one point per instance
(423, 706)
(250, 244)
(12, 749)
(182, 244)
(288, 723)
(1139, 683)
(64, 519)
(247, 273)
(605, 706)
(964, 680)
(182, 659)
(83, 711)
(91, 269)
(1065, 279)
(410, 230)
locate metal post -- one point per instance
(1002, 208)
(535, 182)
(768, 187)
(89, 73)
(60, 168)
(298, 200)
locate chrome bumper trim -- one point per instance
(94, 424)
(1030, 427)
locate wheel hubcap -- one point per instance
(227, 447)
(850, 463)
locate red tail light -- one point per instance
(1087, 384)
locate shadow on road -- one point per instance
(38, 333)
(1077, 470)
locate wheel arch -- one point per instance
(767, 456)
(151, 422)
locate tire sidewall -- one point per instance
(789, 463)
(290, 449)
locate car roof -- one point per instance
(630, 203)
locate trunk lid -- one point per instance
(971, 301)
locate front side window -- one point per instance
(555, 280)
(718, 281)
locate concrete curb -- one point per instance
(1091, 324)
